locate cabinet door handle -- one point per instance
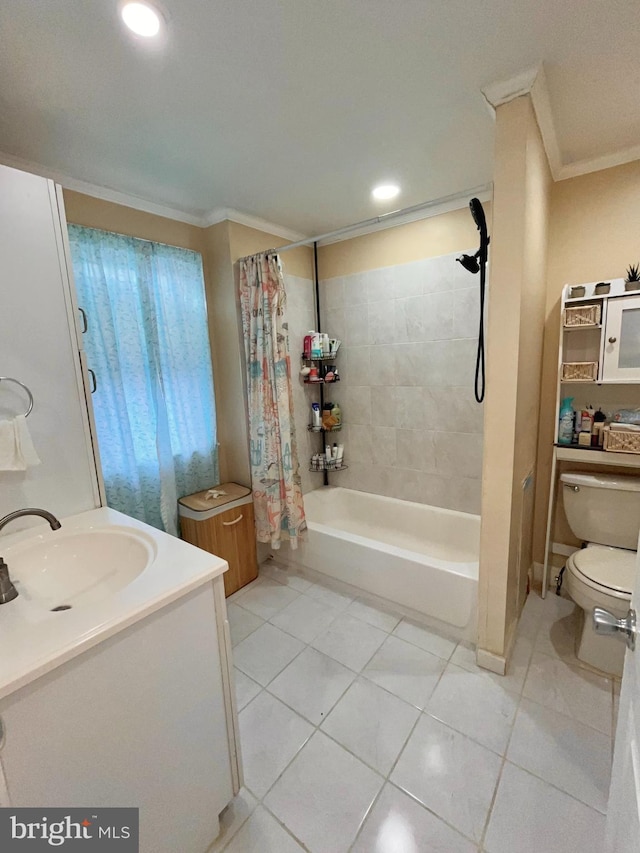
(235, 521)
(612, 340)
(94, 381)
(85, 325)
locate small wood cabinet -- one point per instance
(224, 526)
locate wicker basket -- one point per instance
(582, 315)
(580, 371)
(621, 440)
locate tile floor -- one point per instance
(364, 732)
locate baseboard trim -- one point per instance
(494, 663)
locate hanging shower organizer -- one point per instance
(323, 465)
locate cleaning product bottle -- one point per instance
(565, 428)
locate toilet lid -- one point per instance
(613, 568)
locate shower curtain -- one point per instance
(275, 471)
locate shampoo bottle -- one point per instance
(565, 427)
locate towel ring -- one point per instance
(24, 387)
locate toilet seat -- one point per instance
(610, 571)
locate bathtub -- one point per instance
(422, 558)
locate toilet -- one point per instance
(603, 510)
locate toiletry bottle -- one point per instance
(340, 455)
(327, 453)
(325, 344)
(315, 415)
(306, 345)
(316, 345)
(565, 428)
(337, 414)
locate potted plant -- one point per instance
(632, 281)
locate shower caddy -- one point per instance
(320, 382)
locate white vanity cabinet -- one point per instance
(142, 719)
(621, 346)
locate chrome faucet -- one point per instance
(54, 524)
(7, 590)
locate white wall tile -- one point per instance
(383, 364)
(358, 365)
(332, 293)
(409, 362)
(356, 331)
(409, 407)
(409, 322)
(466, 312)
(355, 289)
(407, 369)
(382, 322)
(437, 316)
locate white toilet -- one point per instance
(603, 510)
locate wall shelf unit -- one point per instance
(600, 339)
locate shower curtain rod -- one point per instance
(404, 211)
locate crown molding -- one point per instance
(220, 214)
(503, 91)
(597, 164)
(96, 191)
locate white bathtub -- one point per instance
(422, 558)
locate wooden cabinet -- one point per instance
(226, 529)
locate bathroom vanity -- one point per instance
(124, 698)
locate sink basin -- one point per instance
(61, 570)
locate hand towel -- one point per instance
(17, 452)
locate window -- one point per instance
(148, 345)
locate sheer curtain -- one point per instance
(275, 471)
(148, 345)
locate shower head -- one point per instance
(469, 262)
(477, 211)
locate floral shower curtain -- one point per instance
(275, 471)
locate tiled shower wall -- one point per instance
(412, 427)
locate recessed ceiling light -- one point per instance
(385, 191)
(141, 18)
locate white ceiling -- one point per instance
(292, 109)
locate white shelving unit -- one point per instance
(604, 345)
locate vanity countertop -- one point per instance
(34, 640)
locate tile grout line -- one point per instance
(483, 836)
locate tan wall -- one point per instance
(427, 238)
(522, 183)
(594, 234)
(95, 213)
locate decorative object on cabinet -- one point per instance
(223, 526)
(579, 371)
(582, 315)
(632, 281)
(622, 438)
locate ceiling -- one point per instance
(291, 110)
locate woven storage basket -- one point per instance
(581, 315)
(580, 371)
(621, 440)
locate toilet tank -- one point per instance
(603, 508)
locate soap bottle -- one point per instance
(565, 428)
(337, 414)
